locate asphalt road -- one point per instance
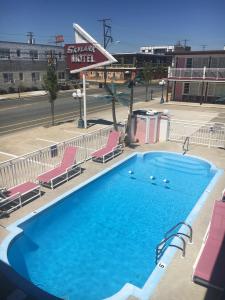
(17, 114)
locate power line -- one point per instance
(23, 34)
(42, 39)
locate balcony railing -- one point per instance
(210, 74)
(120, 66)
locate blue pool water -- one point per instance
(87, 246)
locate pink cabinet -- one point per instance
(145, 128)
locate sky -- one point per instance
(134, 23)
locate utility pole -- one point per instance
(107, 38)
(30, 37)
(203, 47)
(185, 42)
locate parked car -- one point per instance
(220, 100)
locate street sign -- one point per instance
(86, 53)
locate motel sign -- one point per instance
(86, 53)
(79, 56)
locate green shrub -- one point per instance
(11, 90)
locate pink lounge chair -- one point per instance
(66, 170)
(17, 196)
(111, 149)
(209, 269)
(223, 195)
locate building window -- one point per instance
(61, 75)
(51, 56)
(8, 77)
(33, 54)
(18, 53)
(186, 88)
(60, 55)
(4, 53)
(35, 76)
(20, 76)
(189, 63)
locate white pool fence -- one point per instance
(29, 166)
(209, 134)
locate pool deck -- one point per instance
(176, 283)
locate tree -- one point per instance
(147, 76)
(51, 85)
(128, 139)
(112, 93)
(161, 71)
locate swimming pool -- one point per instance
(92, 241)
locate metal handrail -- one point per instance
(160, 251)
(181, 223)
(197, 73)
(186, 142)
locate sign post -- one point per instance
(84, 55)
(85, 100)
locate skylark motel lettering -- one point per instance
(81, 54)
(84, 56)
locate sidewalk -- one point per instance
(22, 95)
(207, 105)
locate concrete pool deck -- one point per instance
(176, 283)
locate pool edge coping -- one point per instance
(146, 291)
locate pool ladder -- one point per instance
(186, 143)
(162, 246)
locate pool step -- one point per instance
(180, 165)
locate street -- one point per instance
(18, 114)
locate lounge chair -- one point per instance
(66, 170)
(111, 149)
(11, 199)
(209, 268)
(223, 195)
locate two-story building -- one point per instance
(23, 65)
(128, 65)
(166, 49)
(198, 76)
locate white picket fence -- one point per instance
(199, 133)
(29, 166)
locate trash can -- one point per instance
(54, 150)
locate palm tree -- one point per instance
(147, 76)
(160, 71)
(128, 139)
(51, 85)
(112, 93)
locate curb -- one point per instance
(15, 96)
(195, 104)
